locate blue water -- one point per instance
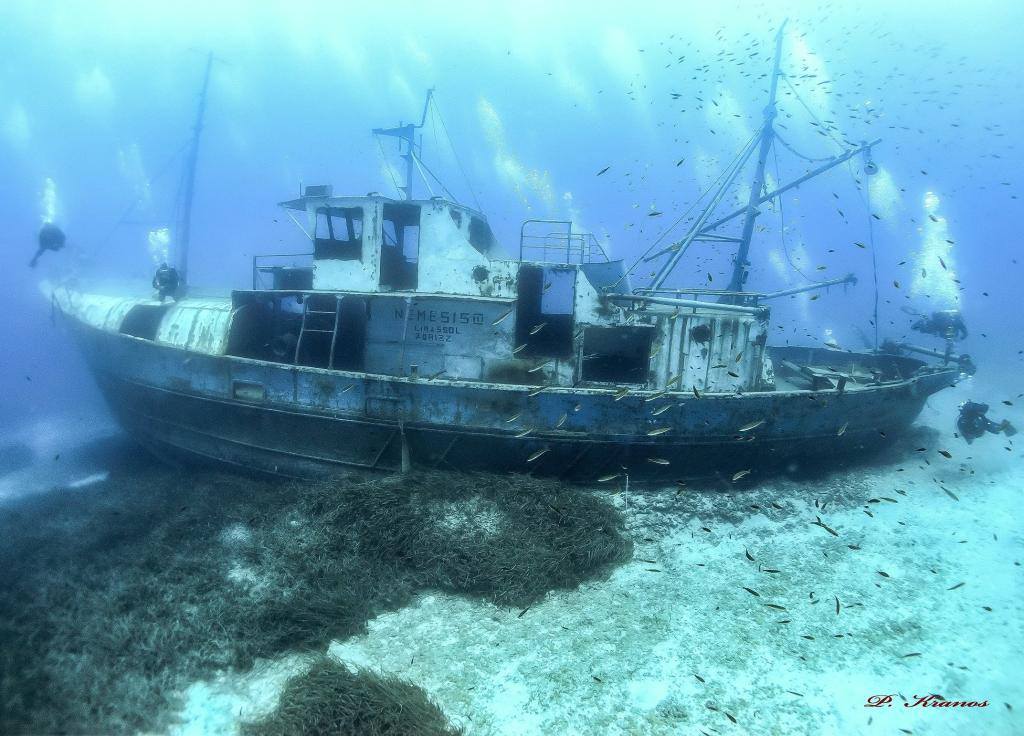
(97, 101)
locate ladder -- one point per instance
(310, 317)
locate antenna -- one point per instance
(406, 133)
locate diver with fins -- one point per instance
(52, 238)
(973, 422)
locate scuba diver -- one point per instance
(972, 422)
(947, 324)
(52, 238)
(166, 281)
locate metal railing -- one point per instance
(747, 298)
(567, 246)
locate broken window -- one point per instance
(339, 234)
(400, 246)
(616, 354)
(480, 235)
(544, 310)
(143, 320)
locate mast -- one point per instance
(741, 264)
(407, 134)
(188, 180)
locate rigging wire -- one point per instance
(437, 111)
(782, 232)
(679, 248)
(874, 257)
(387, 164)
(131, 208)
(865, 197)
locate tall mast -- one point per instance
(188, 181)
(741, 264)
(407, 134)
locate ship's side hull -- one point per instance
(308, 422)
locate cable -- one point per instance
(391, 172)
(131, 208)
(782, 219)
(455, 153)
(874, 258)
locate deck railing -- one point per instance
(556, 238)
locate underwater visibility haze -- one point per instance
(529, 368)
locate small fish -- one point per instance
(778, 608)
(503, 317)
(752, 425)
(603, 170)
(699, 678)
(825, 526)
(696, 393)
(621, 393)
(740, 474)
(659, 430)
(523, 612)
(842, 430)
(513, 418)
(770, 569)
(661, 410)
(525, 432)
(561, 420)
(946, 454)
(654, 214)
(883, 573)
(837, 604)
(749, 556)
(958, 585)
(537, 390)
(658, 461)
(911, 654)
(751, 591)
(536, 455)
(538, 328)
(519, 349)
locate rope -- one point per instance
(821, 124)
(800, 155)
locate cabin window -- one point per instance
(339, 234)
(143, 320)
(400, 246)
(616, 354)
(544, 310)
(480, 235)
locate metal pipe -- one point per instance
(848, 279)
(714, 307)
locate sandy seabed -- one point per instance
(725, 620)
(694, 636)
